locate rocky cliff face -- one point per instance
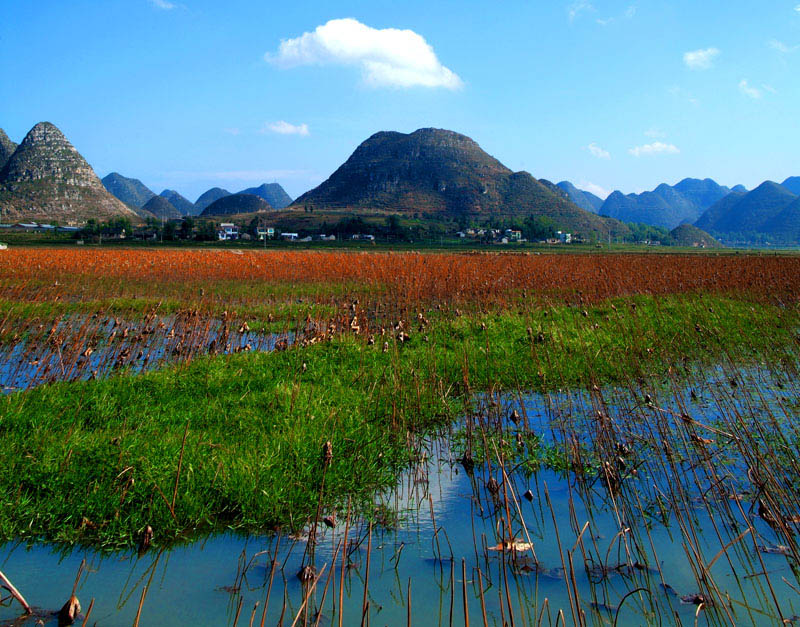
(7, 148)
(46, 154)
(47, 180)
(440, 171)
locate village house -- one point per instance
(227, 232)
(265, 232)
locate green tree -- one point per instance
(538, 228)
(395, 231)
(170, 231)
(187, 228)
(207, 231)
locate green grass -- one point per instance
(95, 462)
(252, 458)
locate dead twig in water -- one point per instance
(5, 583)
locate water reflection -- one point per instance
(675, 538)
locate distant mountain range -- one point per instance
(233, 204)
(441, 172)
(184, 206)
(768, 214)
(161, 208)
(792, 184)
(134, 193)
(130, 191)
(585, 200)
(430, 171)
(206, 198)
(666, 206)
(272, 193)
(47, 180)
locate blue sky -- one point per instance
(192, 94)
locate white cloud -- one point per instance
(655, 133)
(797, 8)
(654, 149)
(748, 90)
(164, 4)
(702, 59)
(598, 152)
(578, 7)
(233, 130)
(281, 127)
(781, 47)
(597, 190)
(769, 88)
(388, 57)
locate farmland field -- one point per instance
(517, 438)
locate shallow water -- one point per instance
(80, 347)
(626, 564)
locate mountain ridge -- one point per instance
(129, 190)
(792, 183)
(584, 199)
(182, 204)
(7, 148)
(439, 171)
(273, 193)
(667, 206)
(769, 212)
(47, 179)
(209, 196)
(162, 208)
(235, 204)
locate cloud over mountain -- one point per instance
(387, 57)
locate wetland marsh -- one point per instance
(538, 439)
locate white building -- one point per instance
(228, 231)
(265, 232)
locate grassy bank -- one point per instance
(237, 441)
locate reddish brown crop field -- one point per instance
(401, 278)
